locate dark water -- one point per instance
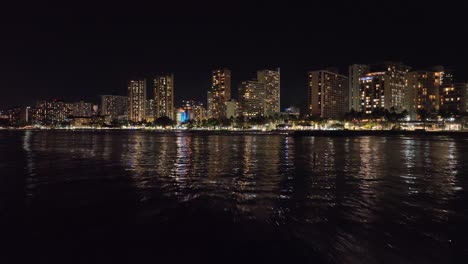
(146, 197)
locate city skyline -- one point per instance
(412, 94)
(260, 131)
(80, 52)
(298, 101)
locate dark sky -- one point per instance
(78, 51)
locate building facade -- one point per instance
(271, 82)
(251, 99)
(385, 87)
(232, 108)
(372, 91)
(50, 112)
(219, 93)
(422, 93)
(25, 115)
(150, 110)
(137, 100)
(395, 86)
(82, 109)
(164, 95)
(327, 94)
(199, 112)
(189, 107)
(356, 71)
(453, 98)
(114, 106)
(447, 75)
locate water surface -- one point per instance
(138, 197)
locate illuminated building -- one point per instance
(3, 114)
(199, 113)
(232, 108)
(446, 75)
(271, 82)
(219, 93)
(13, 116)
(193, 111)
(25, 115)
(114, 106)
(185, 117)
(464, 93)
(150, 110)
(422, 93)
(94, 121)
(251, 98)
(181, 116)
(81, 109)
(356, 71)
(164, 95)
(453, 98)
(81, 121)
(209, 103)
(137, 100)
(385, 88)
(372, 91)
(395, 85)
(4, 119)
(51, 112)
(16, 116)
(327, 94)
(189, 108)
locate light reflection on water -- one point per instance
(352, 199)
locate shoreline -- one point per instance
(347, 133)
(318, 133)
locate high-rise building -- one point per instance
(25, 115)
(251, 98)
(447, 75)
(164, 95)
(219, 93)
(199, 113)
(51, 112)
(137, 100)
(271, 82)
(395, 87)
(356, 71)
(150, 110)
(372, 91)
(327, 94)
(453, 98)
(422, 93)
(81, 109)
(14, 116)
(114, 106)
(464, 93)
(385, 87)
(232, 108)
(209, 103)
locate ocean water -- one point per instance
(153, 197)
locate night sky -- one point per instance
(79, 51)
